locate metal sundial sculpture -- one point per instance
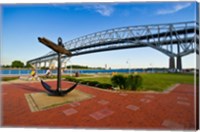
(59, 49)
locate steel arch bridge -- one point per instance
(172, 39)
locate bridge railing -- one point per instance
(125, 32)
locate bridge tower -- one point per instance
(178, 61)
(171, 63)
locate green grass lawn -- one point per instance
(155, 82)
(160, 82)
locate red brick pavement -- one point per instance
(117, 110)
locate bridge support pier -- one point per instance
(179, 63)
(171, 63)
(38, 65)
(51, 64)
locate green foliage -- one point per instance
(85, 82)
(97, 84)
(72, 79)
(119, 80)
(130, 83)
(9, 78)
(78, 80)
(104, 85)
(28, 65)
(155, 81)
(17, 64)
(93, 83)
(133, 82)
(77, 67)
(6, 66)
(98, 79)
(82, 67)
(50, 77)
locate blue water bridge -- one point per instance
(172, 39)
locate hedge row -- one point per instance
(90, 83)
(9, 78)
(131, 82)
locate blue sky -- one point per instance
(23, 24)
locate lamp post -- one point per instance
(128, 66)
(151, 65)
(70, 68)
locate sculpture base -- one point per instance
(42, 101)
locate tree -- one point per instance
(130, 83)
(133, 82)
(28, 65)
(119, 80)
(5, 66)
(17, 64)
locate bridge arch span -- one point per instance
(172, 39)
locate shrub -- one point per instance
(50, 77)
(133, 82)
(138, 81)
(93, 83)
(9, 78)
(97, 84)
(78, 80)
(84, 82)
(104, 85)
(72, 79)
(119, 80)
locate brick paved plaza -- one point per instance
(170, 110)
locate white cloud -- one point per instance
(104, 10)
(173, 9)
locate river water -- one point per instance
(9, 72)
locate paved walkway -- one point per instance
(107, 109)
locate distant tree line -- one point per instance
(82, 67)
(17, 64)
